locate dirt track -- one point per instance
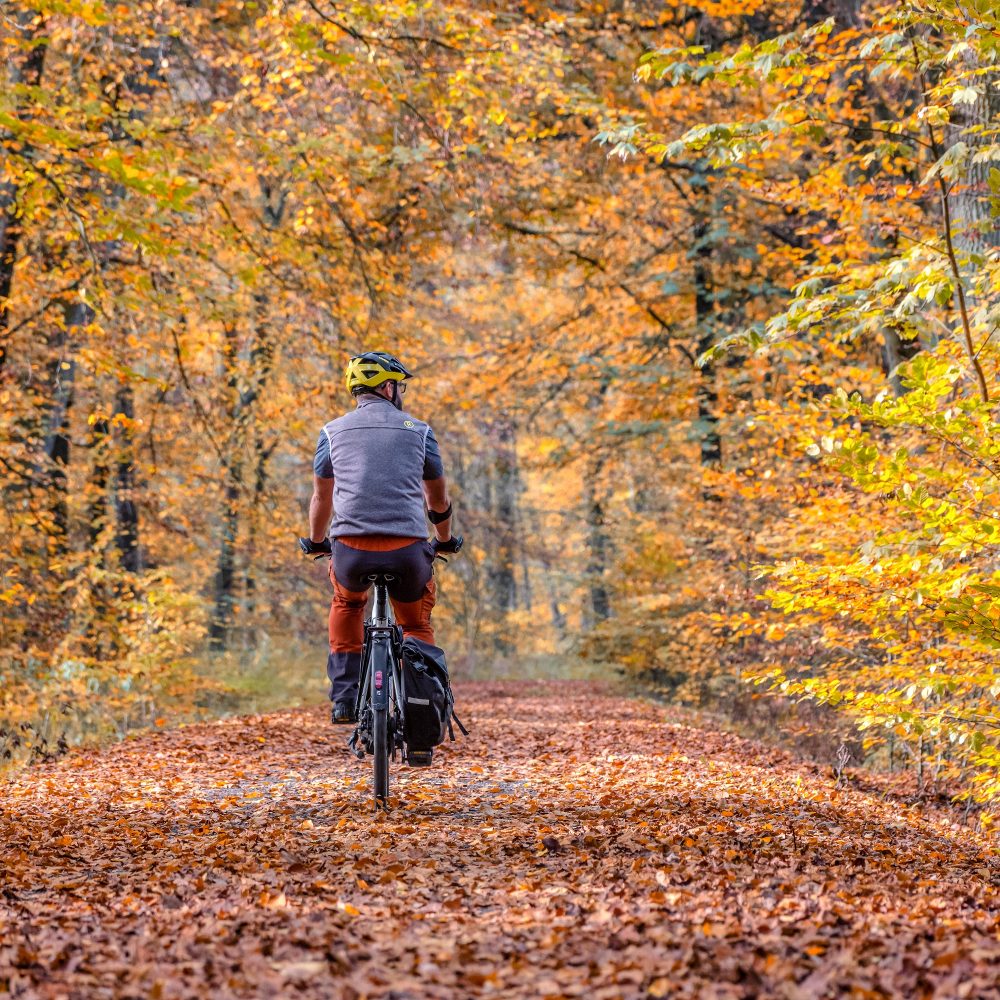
(576, 845)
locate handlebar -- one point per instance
(451, 546)
(318, 550)
(323, 549)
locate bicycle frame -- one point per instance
(381, 645)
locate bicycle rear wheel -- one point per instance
(380, 736)
(381, 681)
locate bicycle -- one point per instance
(380, 705)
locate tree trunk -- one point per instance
(56, 448)
(506, 487)
(597, 541)
(55, 417)
(558, 615)
(225, 601)
(97, 506)
(896, 351)
(490, 487)
(261, 362)
(26, 71)
(594, 497)
(261, 456)
(977, 232)
(100, 633)
(467, 480)
(704, 309)
(126, 512)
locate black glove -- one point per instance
(311, 548)
(452, 545)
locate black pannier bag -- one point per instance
(428, 703)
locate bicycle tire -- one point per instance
(380, 737)
(381, 674)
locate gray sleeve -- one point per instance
(433, 466)
(322, 463)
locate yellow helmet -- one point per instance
(368, 371)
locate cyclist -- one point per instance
(375, 472)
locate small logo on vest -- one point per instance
(409, 423)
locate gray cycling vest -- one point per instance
(377, 453)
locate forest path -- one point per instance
(577, 844)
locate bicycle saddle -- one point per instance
(380, 577)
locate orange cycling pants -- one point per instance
(413, 595)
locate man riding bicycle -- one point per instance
(375, 472)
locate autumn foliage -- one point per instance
(703, 298)
(893, 112)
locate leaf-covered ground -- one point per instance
(578, 844)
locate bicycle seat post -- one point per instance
(380, 609)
